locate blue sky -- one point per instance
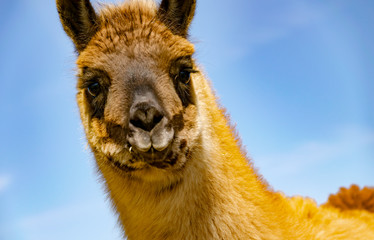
(295, 75)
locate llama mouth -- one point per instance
(126, 168)
(157, 159)
(142, 160)
(152, 155)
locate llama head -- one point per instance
(135, 83)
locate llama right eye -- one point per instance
(184, 77)
(94, 89)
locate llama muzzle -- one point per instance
(149, 130)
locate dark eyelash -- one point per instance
(190, 70)
(89, 81)
(93, 75)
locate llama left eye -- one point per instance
(184, 77)
(94, 89)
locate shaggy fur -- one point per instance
(180, 172)
(353, 198)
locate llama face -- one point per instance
(136, 88)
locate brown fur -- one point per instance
(201, 186)
(353, 198)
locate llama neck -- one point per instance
(210, 202)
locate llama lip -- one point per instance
(140, 160)
(152, 155)
(121, 166)
(149, 142)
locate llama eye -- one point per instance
(184, 77)
(94, 89)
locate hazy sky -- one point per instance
(295, 75)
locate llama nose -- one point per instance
(148, 125)
(145, 116)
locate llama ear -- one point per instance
(79, 20)
(177, 15)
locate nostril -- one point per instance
(137, 123)
(146, 118)
(157, 118)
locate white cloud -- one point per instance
(318, 167)
(5, 181)
(346, 142)
(77, 221)
(53, 216)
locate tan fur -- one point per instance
(212, 191)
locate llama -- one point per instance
(172, 164)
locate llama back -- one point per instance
(352, 198)
(331, 222)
